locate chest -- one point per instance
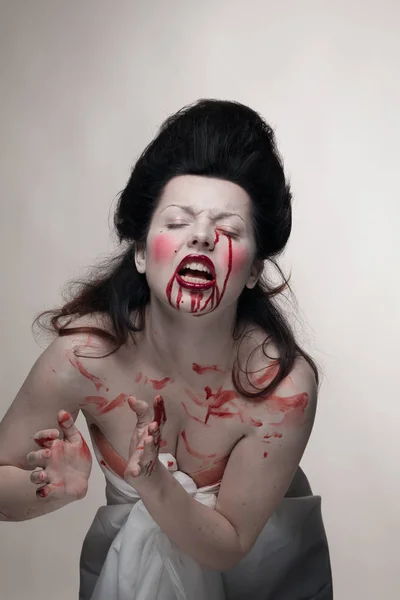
(205, 418)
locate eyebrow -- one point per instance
(190, 211)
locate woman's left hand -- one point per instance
(146, 439)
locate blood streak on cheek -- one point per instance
(163, 248)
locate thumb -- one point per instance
(70, 431)
(141, 409)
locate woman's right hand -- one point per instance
(63, 465)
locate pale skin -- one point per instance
(185, 354)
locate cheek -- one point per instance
(163, 248)
(240, 259)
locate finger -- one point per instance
(142, 411)
(149, 452)
(39, 477)
(70, 431)
(50, 490)
(153, 427)
(38, 458)
(45, 437)
(160, 416)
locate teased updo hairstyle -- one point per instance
(211, 138)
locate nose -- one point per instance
(204, 239)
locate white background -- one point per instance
(84, 87)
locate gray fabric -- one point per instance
(289, 561)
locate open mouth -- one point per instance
(196, 272)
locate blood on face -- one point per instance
(215, 293)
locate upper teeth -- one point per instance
(197, 266)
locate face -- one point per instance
(200, 248)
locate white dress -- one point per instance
(126, 556)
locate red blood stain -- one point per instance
(265, 454)
(195, 299)
(44, 441)
(170, 463)
(275, 434)
(201, 369)
(43, 492)
(220, 397)
(215, 296)
(138, 377)
(268, 375)
(84, 449)
(98, 401)
(103, 463)
(163, 443)
(220, 295)
(211, 474)
(193, 452)
(113, 460)
(256, 422)
(96, 380)
(283, 404)
(66, 416)
(117, 402)
(160, 416)
(179, 298)
(191, 416)
(159, 384)
(103, 405)
(195, 399)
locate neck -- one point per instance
(178, 340)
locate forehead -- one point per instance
(206, 193)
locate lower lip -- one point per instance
(194, 286)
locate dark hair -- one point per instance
(211, 138)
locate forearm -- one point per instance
(18, 501)
(201, 532)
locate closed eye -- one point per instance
(176, 225)
(231, 234)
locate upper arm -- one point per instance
(50, 386)
(262, 464)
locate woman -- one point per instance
(198, 399)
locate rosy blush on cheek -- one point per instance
(163, 248)
(240, 258)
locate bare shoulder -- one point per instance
(54, 382)
(259, 363)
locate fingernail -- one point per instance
(66, 420)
